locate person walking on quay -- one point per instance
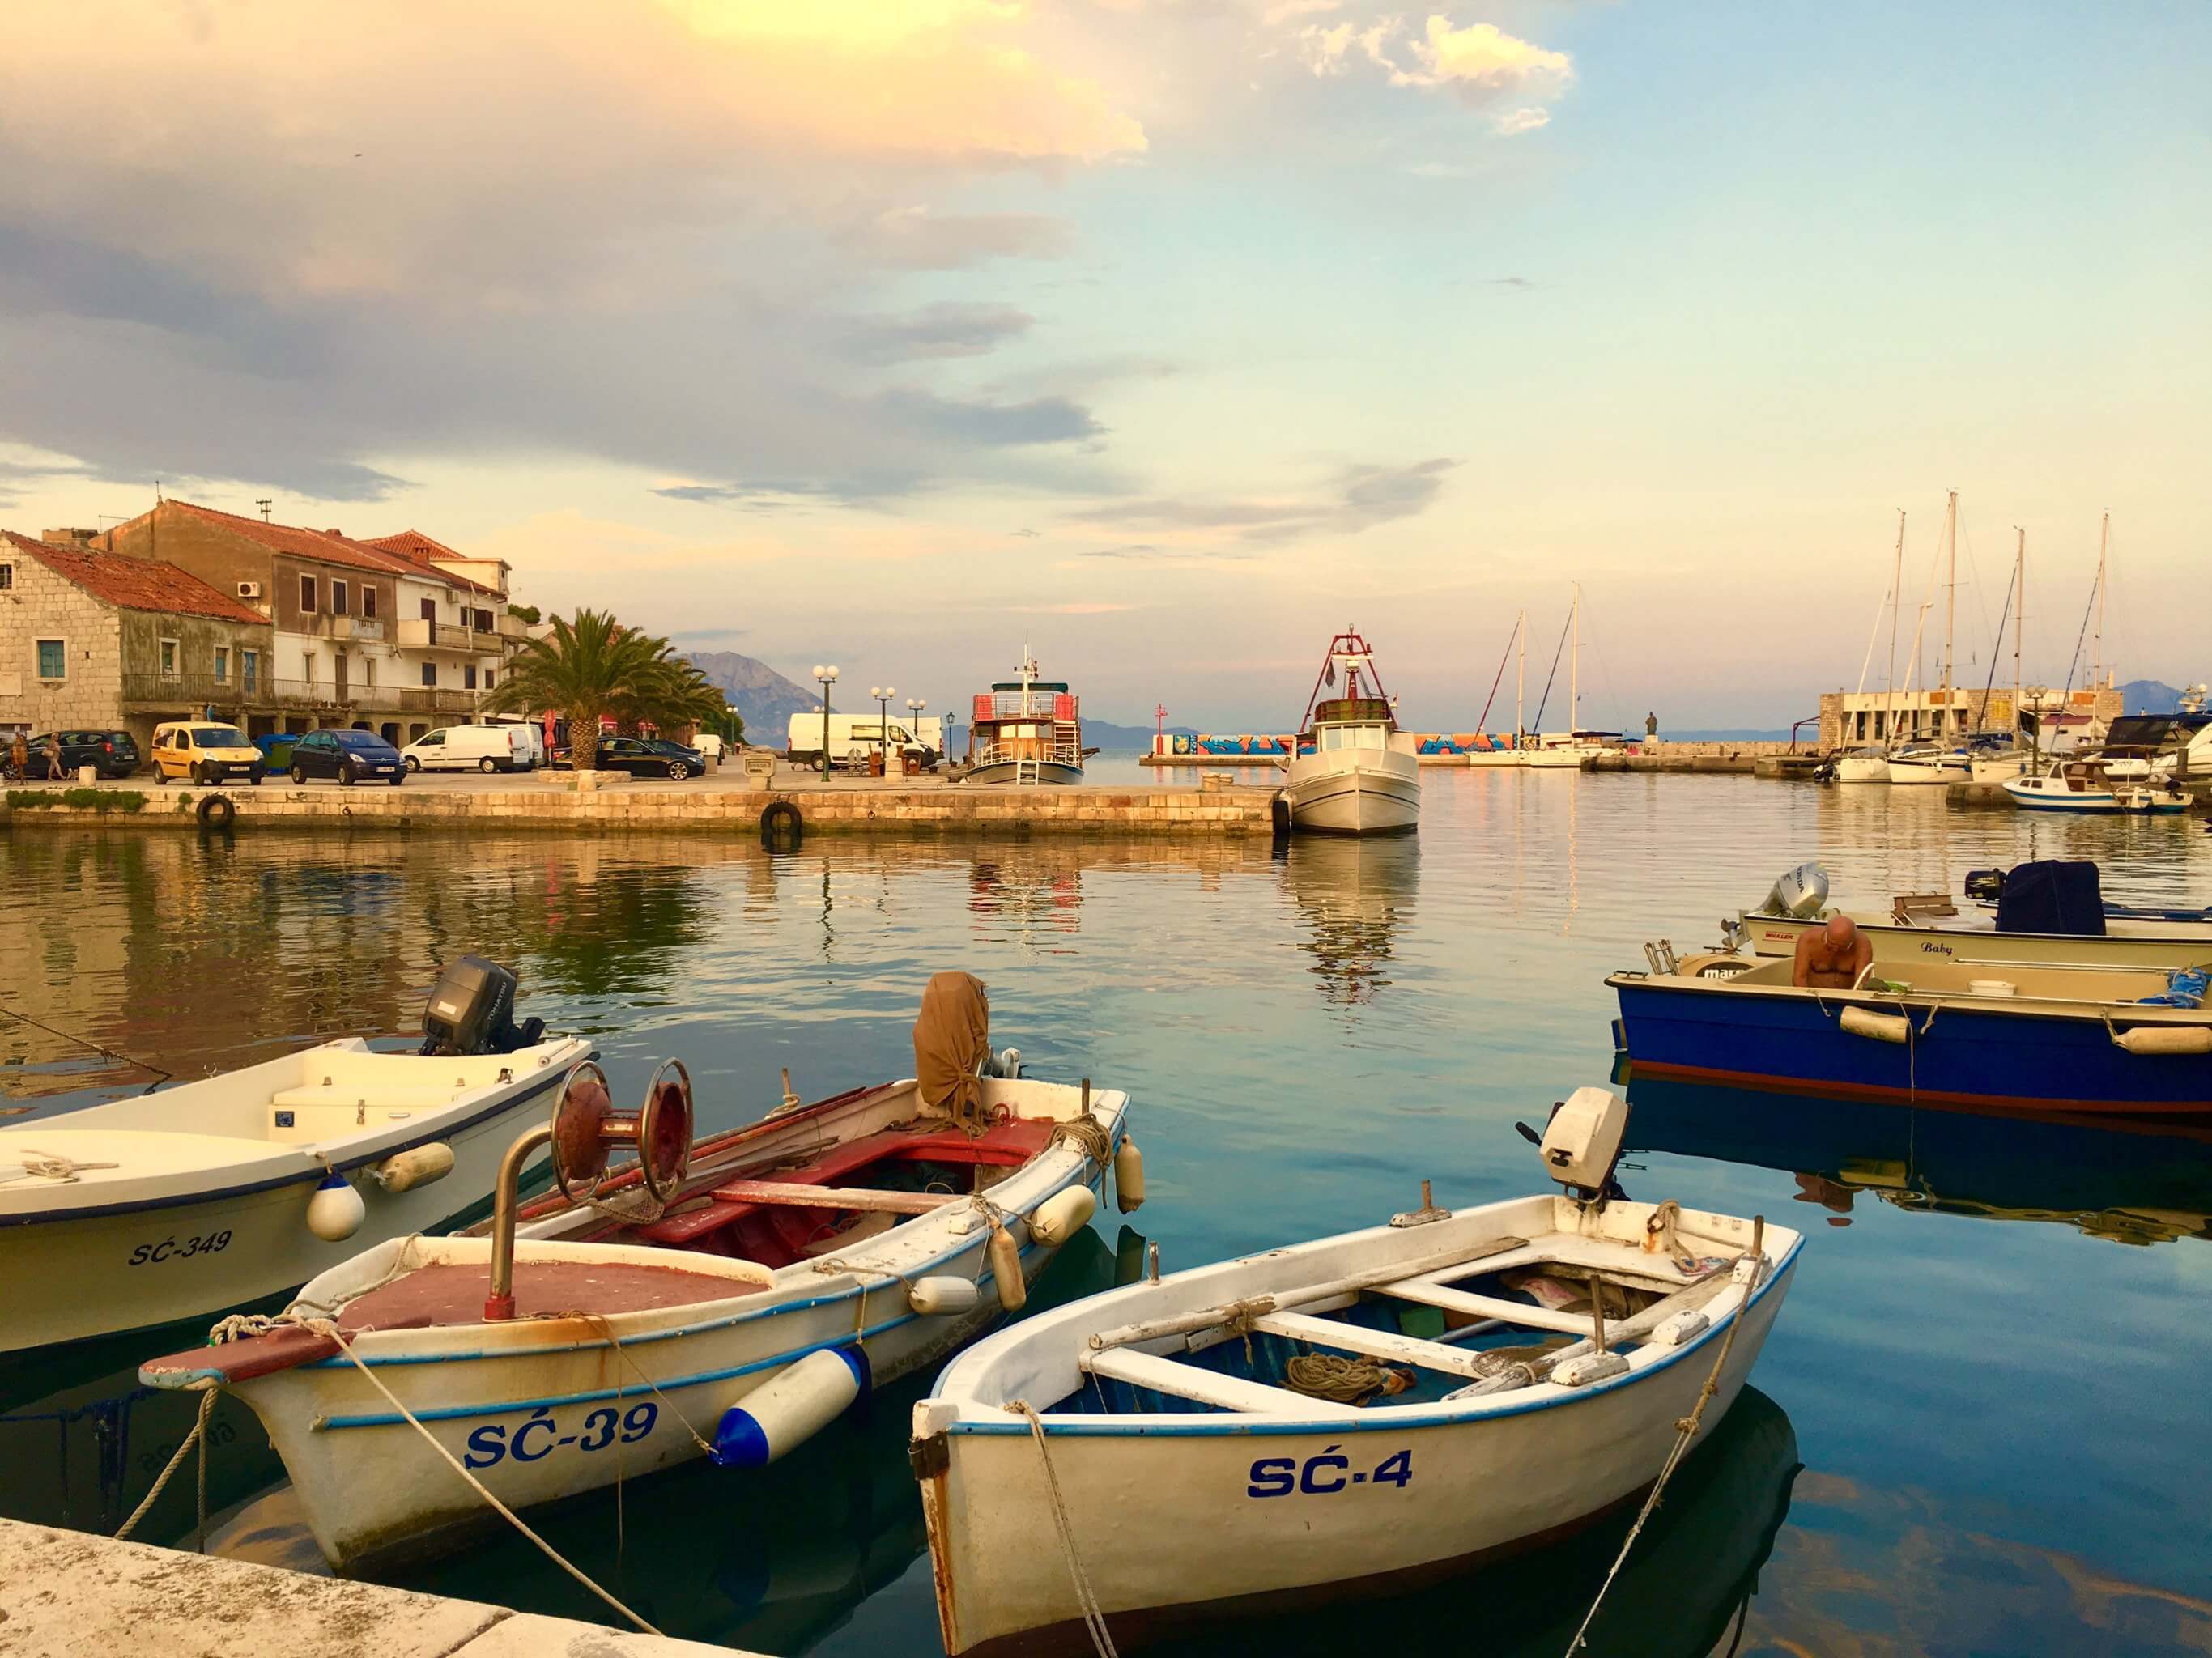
(19, 758)
(54, 757)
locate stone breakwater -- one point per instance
(616, 809)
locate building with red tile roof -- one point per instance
(135, 584)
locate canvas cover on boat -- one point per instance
(2054, 896)
(951, 1039)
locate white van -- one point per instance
(533, 731)
(853, 738)
(465, 748)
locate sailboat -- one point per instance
(1573, 750)
(1355, 773)
(1514, 752)
(2014, 759)
(1938, 760)
(1870, 764)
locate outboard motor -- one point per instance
(1803, 893)
(471, 1011)
(1987, 884)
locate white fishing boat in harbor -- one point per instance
(215, 1194)
(1026, 730)
(727, 1298)
(2083, 784)
(1337, 1418)
(1866, 765)
(2045, 912)
(1355, 773)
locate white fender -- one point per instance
(1877, 1027)
(2166, 1039)
(402, 1171)
(1062, 1215)
(791, 1408)
(941, 1294)
(1129, 1176)
(335, 1212)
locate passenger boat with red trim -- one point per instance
(726, 1298)
(1026, 730)
(1355, 773)
(1341, 1418)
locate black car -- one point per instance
(643, 757)
(113, 753)
(350, 756)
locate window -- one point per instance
(223, 665)
(249, 664)
(307, 595)
(53, 659)
(429, 669)
(307, 667)
(368, 663)
(7, 577)
(169, 659)
(429, 610)
(483, 621)
(369, 604)
(337, 596)
(468, 676)
(488, 676)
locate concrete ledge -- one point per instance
(65, 1595)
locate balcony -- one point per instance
(356, 627)
(512, 628)
(152, 692)
(418, 633)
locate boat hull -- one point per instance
(1176, 1522)
(1862, 768)
(136, 1266)
(1005, 773)
(1497, 757)
(1355, 791)
(1925, 774)
(2034, 794)
(1556, 759)
(2025, 1054)
(2188, 944)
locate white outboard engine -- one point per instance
(471, 1011)
(1802, 893)
(1582, 1142)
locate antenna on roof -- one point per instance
(264, 502)
(157, 492)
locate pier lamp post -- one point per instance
(883, 694)
(826, 676)
(914, 705)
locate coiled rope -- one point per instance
(1347, 1380)
(49, 1165)
(1094, 1616)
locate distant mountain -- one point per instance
(763, 696)
(2150, 697)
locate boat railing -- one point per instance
(1024, 705)
(993, 754)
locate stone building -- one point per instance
(390, 638)
(1851, 720)
(100, 640)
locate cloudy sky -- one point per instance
(1167, 334)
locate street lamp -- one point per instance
(883, 694)
(825, 677)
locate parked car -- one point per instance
(471, 748)
(205, 751)
(114, 754)
(347, 755)
(643, 757)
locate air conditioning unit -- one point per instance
(249, 590)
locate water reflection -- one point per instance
(1352, 897)
(2150, 1186)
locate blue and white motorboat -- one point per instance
(2012, 1036)
(2085, 783)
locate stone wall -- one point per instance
(40, 604)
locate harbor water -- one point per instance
(1981, 1426)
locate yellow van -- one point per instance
(206, 752)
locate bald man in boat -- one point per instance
(1830, 957)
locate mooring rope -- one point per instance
(198, 1436)
(1345, 1380)
(1686, 1430)
(1094, 1616)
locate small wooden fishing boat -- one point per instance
(2084, 784)
(1355, 773)
(1923, 1030)
(215, 1194)
(2050, 911)
(726, 1299)
(1336, 1418)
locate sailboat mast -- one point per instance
(2097, 656)
(1950, 599)
(1520, 680)
(2019, 618)
(1575, 667)
(1896, 603)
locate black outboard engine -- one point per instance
(471, 1011)
(1987, 884)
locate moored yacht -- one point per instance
(1026, 730)
(1355, 773)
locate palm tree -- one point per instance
(585, 667)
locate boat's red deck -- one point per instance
(453, 1293)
